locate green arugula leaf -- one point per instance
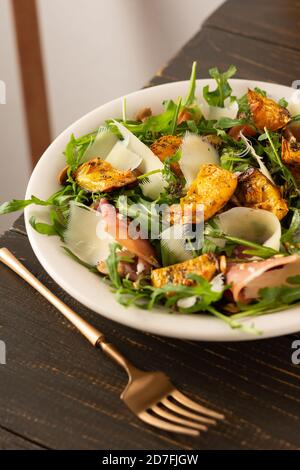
(134, 293)
(175, 117)
(223, 90)
(59, 222)
(253, 249)
(244, 107)
(295, 118)
(283, 102)
(294, 279)
(191, 96)
(227, 123)
(161, 123)
(71, 154)
(42, 228)
(145, 177)
(262, 137)
(76, 148)
(260, 91)
(18, 204)
(192, 126)
(169, 294)
(291, 236)
(174, 184)
(57, 227)
(231, 161)
(153, 127)
(273, 150)
(112, 263)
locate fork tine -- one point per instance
(181, 411)
(171, 417)
(159, 423)
(195, 406)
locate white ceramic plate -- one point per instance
(88, 288)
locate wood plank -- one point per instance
(272, 21)
(32, 76)
(60, 392)
(10, 441)
(19, 225)
(254, 59)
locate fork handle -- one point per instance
(94, 336)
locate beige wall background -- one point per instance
(93, 51)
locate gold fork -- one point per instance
(149, 395)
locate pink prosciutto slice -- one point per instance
(247, 279)
(118, 227)
(131, 269)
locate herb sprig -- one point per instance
(223, 90)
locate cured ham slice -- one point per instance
(118, 227)
(247, 279)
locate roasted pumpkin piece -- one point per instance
(212, 188)
(266, 112)
(255, 190)
(165, 147)
(290, 152)
(99, 175)
(205, 265)
(290, 155)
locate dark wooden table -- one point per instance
(57, 392)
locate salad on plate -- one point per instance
(195, 209)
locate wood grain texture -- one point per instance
(271, 21)
(11, 441)
(58, 392)
(255, 60)
(32, 76)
